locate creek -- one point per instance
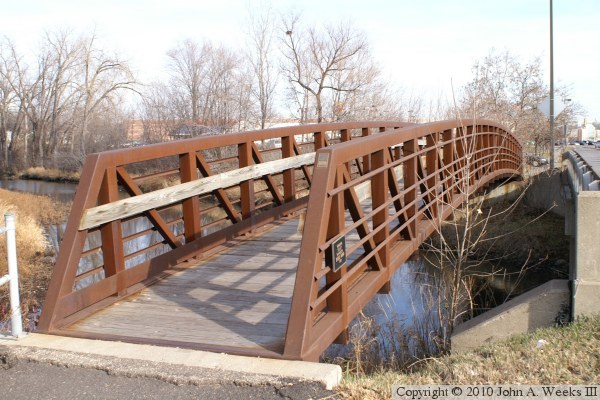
(60, 191)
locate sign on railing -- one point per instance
(12, 278)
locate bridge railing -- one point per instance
(417, 175)
(582, 177)
(139, 212)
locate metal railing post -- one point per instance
(13, 276)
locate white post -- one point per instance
(11, 252)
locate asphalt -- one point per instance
(42, 367)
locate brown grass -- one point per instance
(50, 175)
(571, 356)
(33, 254)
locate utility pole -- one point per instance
(551, 92)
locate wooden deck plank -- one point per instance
(239, 297)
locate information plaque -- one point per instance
(338, 253)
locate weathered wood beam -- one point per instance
(120, 209)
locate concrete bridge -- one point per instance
(264, 243)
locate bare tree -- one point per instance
(188, 63)
(54, 100)
(325, 61)
(158, 111)
(508, 91)
(45, 95)
(210, 87)
(260, 54)
(10, 111)
(104, 77)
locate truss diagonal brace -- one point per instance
(153, 215)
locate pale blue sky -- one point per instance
(423, 45)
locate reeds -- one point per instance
(49, 175)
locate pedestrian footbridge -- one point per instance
(264, 243)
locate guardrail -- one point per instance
(417, 176)
(582, 176)
(12, 278)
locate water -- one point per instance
(60, 191)
(399, 326)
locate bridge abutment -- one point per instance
(585, 248)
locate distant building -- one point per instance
(135, 130)
(587, 132)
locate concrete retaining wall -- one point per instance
(585, 245)
(508, 191)
(547, 191)
(534, 309)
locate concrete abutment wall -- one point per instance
(542, 306)
(585, 245)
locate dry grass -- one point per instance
(50, 175)
(41, 208)
(570, 356)
(33, 253)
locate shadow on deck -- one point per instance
(236, 301)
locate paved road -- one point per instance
(25, 380)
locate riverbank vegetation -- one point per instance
(566, 355)
(34, 255)
(487, 254)
(50, 175)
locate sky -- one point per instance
(427, 47)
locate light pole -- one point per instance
(551, 93)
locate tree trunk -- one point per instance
(319, 108)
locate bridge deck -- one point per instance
(237, 300)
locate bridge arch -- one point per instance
(415, 175)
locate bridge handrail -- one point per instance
(459, 159)
(582, 177)
(217, 175)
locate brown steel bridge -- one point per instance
(264, 243)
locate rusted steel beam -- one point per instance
(299, 330)
(337, 302)
(153, 216)
(112, 237)
(191, 206)
(268, 179)
(432, 158)
(410, 182)
(394, 188)
(356, 212)
(305, 170)
(289, 176)
(67, 262)
(220, 193)
(379, 197)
